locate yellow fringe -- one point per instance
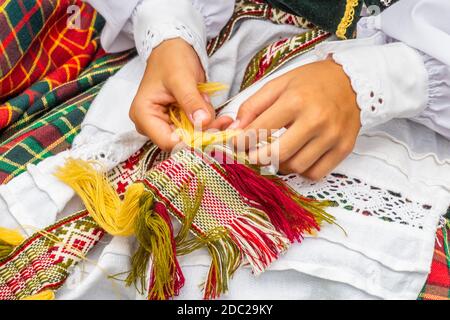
(116, 217)
(135, 216)
(44, 295)
(11, 237)
(347, 19)
(9, 240)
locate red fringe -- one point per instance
(211, 289)
(260, 248)
(177, 275)
(273, 197)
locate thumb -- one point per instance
(194, 103)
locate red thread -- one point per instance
(274, 198)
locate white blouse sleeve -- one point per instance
(390, 81)
(402, 70)
(117, 34)
(146, 23)
(421, 24)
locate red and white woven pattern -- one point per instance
(221, 206)
(44, 260)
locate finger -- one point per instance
(221, 123)
(307, 156)
(327, 162)
(138, 113)
(258, 103)
(192, 101)
(155, 124)
(262, 128)
(283, 148)
(245, 141)
(274, 118)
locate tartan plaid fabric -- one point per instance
(437, 286)
(40, 49)
(50, 72)
(33, 139)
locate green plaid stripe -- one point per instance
(40, 52)
(100, 70)
(48, 136)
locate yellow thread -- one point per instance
(11, 237)
(185, 128)
(44, 295)
(118, 217)
(9, 240)
(347, 19)
(115, 216)
(211, 88)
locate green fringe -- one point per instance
(143, 232)
(226, 259)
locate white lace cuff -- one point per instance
(159, 20)
(390, 81)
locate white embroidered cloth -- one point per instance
(376, 258)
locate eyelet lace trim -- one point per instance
(369, 95)
(153, 38)
(357, 196)
(108, 149)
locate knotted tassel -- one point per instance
(154, 233)
(258, 240)
(9, 240)
(135, 215)
(115, 216)
(290, 213)
(274, 216)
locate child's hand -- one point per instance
(172, 74)
(317, 105)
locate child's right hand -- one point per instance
(172, 74)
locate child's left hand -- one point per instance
(317, 105)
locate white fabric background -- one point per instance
(376, 260)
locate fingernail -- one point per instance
(199, 116)
(234, 125)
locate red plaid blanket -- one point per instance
(40, 40)
(51, 68)
(437, 286)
